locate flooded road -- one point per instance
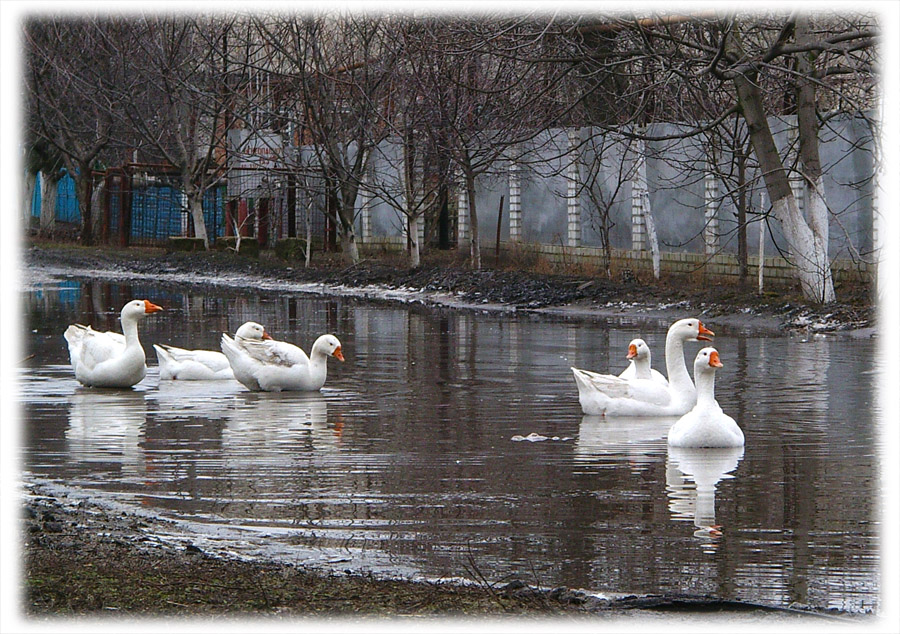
(451, 444)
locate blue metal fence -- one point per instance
(66, 200)
(157, 211)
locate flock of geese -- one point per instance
(108, 359)
(252, 357)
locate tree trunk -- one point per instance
(308, 230)
(83, 192)
(195, 205)
(474, 244)
(28, 195)
(742, 216)
(810, 261)
(811, 166)
(348, 244)
(412, 227)
(49, 184)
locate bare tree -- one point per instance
(43, 158)
(488, 90)
(700, 70)
(335, 70)
(75, 80)
(179, 113)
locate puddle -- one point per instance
(450, 439)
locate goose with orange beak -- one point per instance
(178, 364)
(602, 394)
(706, 425)
(273, 366)
(639, 363)
(108, 359)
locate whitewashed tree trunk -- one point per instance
(308, 231)
(28, 194)
(414, 226)
(762, 242)
(48, 201)
(651, 235)
(413, 188)
(349, 246)
(195, 207)
(475, 244)
(817, 215)
(237, 234)
(808, 257)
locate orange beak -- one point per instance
(703, 330)
(632, 351)
(150, 307)
(266, 335)
(714, 359)
(338, 354)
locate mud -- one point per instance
(82, 558)
(444, 279)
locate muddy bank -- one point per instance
(443, 280)
(83, 557)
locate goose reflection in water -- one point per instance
(262, 423)
(692, 475)
(638, 440)
(108, 425)
(178, 400)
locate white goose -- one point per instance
(601, 394)
(639, 365)
(273, 366)
(203, 365)
(108, 359)
(706, 425)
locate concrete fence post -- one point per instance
(365, 192)
(711, 205)
(638, 190)
(462, 216)
(573, 194)
(515, 202)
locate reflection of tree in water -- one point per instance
(792, 397)
(692, 475)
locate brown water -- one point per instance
(451, 444)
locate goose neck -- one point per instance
(675, 367)
(641, 367)
(706, 387)
(130, 330)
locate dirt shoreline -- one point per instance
(82, 557)
(444, 281)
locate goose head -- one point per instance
(707, 361)
(329, 345)
(638, 349)
(252, 330)
(691, 329)
(138, 309)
